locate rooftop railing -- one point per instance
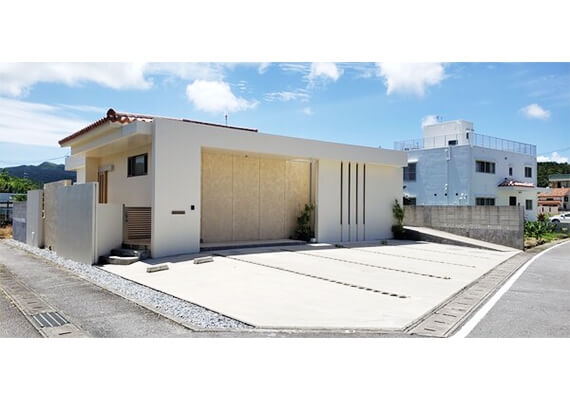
(472, 139)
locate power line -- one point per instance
(554, 151)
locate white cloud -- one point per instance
(411, 78)
(189, 71)
(16, 79)
(308, 111)
(216, 96)
(535, 111)
(299, 94)
(429, 120)
(35, 123)
(325, 71)
(263, 67)
(555, 157)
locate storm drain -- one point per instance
(49, 319)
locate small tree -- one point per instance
(303, 231)
(398, 212)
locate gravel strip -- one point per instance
(181, 310)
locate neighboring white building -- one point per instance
(183, 183)
(453, 165)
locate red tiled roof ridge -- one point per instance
(125, 118)
(555, 192)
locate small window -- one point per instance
(527, 172)
(485, 201)
(410, 172)
(409, 201)
(452, 142)
(566, 198)
(528, 204)
(512, 201)
(486, 167)
(510, 171)
(138, 165)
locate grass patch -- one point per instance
(546, 238)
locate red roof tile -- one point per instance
(558, 192)
(125, 118)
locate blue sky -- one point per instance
(371, 103)
(357, 74)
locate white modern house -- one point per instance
(453, 165)
(183, 183)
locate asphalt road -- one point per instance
(537, 305)
(12, 323)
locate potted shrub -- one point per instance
(398, 228)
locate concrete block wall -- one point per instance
(75, 216)
(497, 224)
(50, 214)
(19, 221)
(35, 218)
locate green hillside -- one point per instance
(44, 173)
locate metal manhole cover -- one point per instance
(49, 319)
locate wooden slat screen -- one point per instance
(138, 221)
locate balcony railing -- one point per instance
(472, 139)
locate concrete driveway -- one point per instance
(320, 286)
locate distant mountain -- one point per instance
(44, 173)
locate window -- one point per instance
(510, 171)
(485, 167)
(138, 165)
(409, 201)
(527, 172)
(485, 201)
(566, 198)
(512, 201)
(410, 172)
(528, 204)
(452, 142)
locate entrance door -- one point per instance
(102, 179)
(512, 200)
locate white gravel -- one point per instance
(181, 310)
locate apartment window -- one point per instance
(510, 171)
(138, 165)
(486, 167)
(485, 201)
(410, 172)
(527, 172)
(528, 204)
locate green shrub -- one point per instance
(304, 231)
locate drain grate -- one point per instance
(49, 319)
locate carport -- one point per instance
(363, 286)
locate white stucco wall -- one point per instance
(176, 162)
(454, 166)
(108, 228)
(135, 191)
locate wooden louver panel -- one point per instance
(138, 221)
